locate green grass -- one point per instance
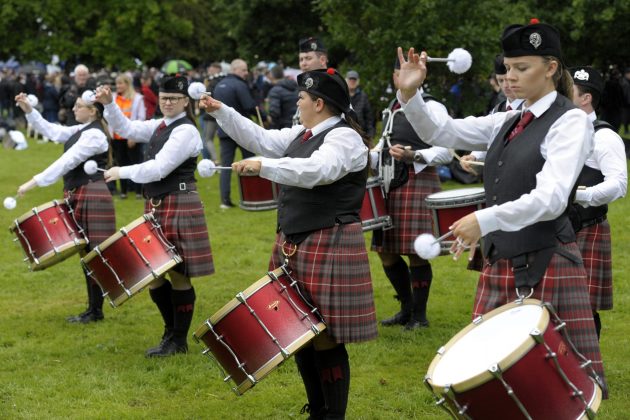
(52, 369)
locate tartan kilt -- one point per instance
(563, 285)
(595, 246)
(410, 215)
(184, 225)
(94, 211)
(332, 270)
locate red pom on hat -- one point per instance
(330, 71)
(533, 21)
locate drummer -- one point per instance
(534, 158)
(169, 186)
(603, 179)
(312, 56)
(321, 167)
(87, 195)
(416, 178)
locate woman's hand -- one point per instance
(112, 174)
(21, 100)
(466, 166)
(247, 167)
(103, 94)
(208, 103)
(28, 185)
(402, 153)
(413, 71)
(468, 233)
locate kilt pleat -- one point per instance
(94, 211)
(409, 213)
(332, 270)
(563, 285)
(595, 246)
(184, 225)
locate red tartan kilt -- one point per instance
(409, 213)
(594, 243)
(184, 224)
(94, 211)
(336, 279)
(563, 285)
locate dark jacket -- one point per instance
(361, 106)
(234, 92)
(283, 98)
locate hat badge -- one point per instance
(314, 46)
(308, 83)
(581, 75)
(535, 39)
(180, 85)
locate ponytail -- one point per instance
(561, 78)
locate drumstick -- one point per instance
(459, 159)
(90, 167)
(10, 203)
(260, 122)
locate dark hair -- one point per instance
(190, 112)
(350, 117)
(562, 78)
(277, 72)
(594, 94)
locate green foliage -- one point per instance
(55, 370)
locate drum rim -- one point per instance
(51, 258)
(485, 376)
(115, 237)
(445, 203)
(39, 209)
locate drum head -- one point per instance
(458, 195)
(501, 338)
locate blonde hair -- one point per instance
(561, 78)
(130, 91)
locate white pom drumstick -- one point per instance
(207, 168)
(91, 168)
(428, 246)
(9, 203)
(196, 90)
(469, 162)
(32, 100)
(458, 61)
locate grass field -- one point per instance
(52, 369)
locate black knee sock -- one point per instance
(598, 323)
(183, 308)
(334, 374)
(307, 366)
(161, 296)
(88, 284)
(421, 277)
(398, 275)
(96, 298)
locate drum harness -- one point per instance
(386, 166)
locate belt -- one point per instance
(182, 188)
(594, 221)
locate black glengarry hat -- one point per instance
(589, 77)
(328, 85)
(533, 39)
(499, 67)
(174, 84)
(311, 44)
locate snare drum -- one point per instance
(257, 193)
(374, 213)
(512, 363)
(130, 259)
(49, 234)
(449, 206)
(259, 329)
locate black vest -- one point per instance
(77, 176)
(402, 131)
(581, 216)
(303, 210)
(184, 173)
(510, 171)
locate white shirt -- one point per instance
(609, 157)
(183, 143)
(515, 105)
(565, 148)
(341, 153)
(435, 155)
(92, 142)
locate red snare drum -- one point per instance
(130, 259)
(49, 234)
(374, 211)
(449, 206)
(259, 329)
(512, 363)
(257, 193)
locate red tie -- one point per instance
(508, 108)
(525, 119)
(161, 127)
(307, 135)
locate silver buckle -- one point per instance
(182, 186)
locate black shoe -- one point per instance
(399, 319)
(168, 348)
(226, 204)
(414, 324)
(165, 338)
(87, 317)
(76, 318)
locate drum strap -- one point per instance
(530, 268)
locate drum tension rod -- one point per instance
(496, 371)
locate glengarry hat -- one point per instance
(174, 84)
(534, 39)
(589, 77)
(326, 84)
